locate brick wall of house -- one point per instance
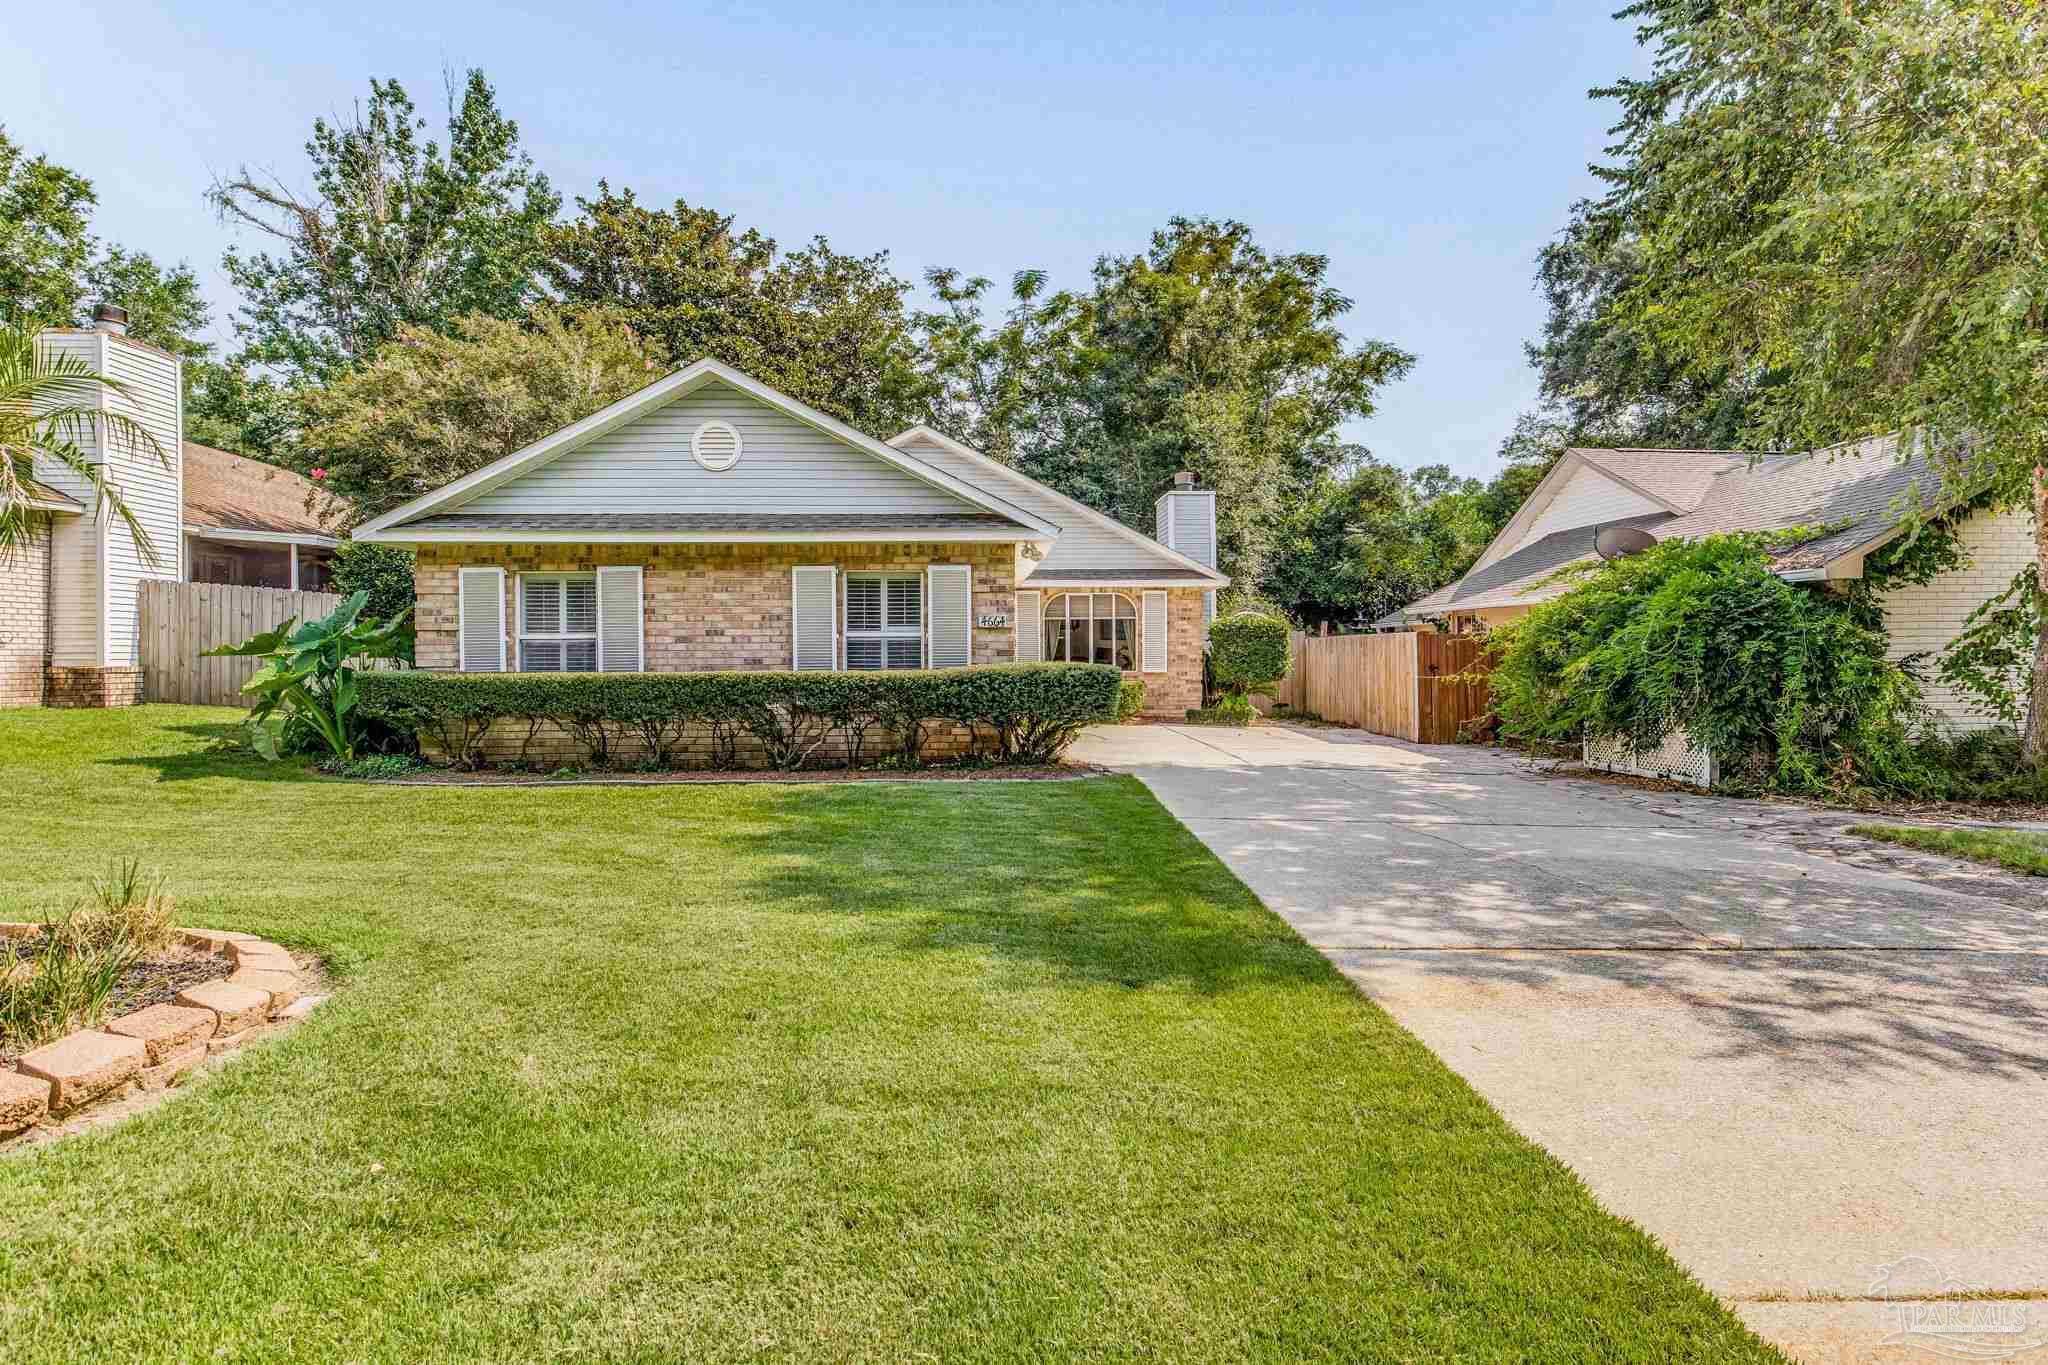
(24, 618)
(92, 687)
(713, 607)
(1172, 694)
(707, 607)
(1924, 620)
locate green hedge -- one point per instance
(1248, 651)
(1033, 711)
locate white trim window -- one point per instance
(1098, 627)
(558, 623)
(884, 620)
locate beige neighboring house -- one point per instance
(710, 522)
(69, 617)
(1862, 489)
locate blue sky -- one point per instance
(1428, 149)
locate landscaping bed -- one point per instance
(156, 979)
(515, 777)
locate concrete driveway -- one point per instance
(1816, 1070)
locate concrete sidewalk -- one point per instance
(1821, 1081)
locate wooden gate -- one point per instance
(1406, 685)
(180, 621)
(1445, 702)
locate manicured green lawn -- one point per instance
(1005, 1071)
(2020, 850)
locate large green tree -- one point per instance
(45, 236)
(397, 231)
(1851, 197)
(431, 407)
(823, 327)
(1203, 352)
(53, 269)
(1374, 538)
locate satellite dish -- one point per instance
(1619, 542)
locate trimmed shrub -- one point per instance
(1032, 712)
(1248, 652)
(382, 571)
(1230, 709)
(1130, 699)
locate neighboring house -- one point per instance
(709, 522)
(69, 616)
(254, 523)
(1860, 491)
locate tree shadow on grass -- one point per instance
(1092, 883)
(216, 757)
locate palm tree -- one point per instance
(49, 404)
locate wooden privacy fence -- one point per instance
(180, 621)
(1403, 686)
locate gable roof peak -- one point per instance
(667, 389)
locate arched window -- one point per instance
(1091, 627)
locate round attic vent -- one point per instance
(716, 446)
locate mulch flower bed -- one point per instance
(155, 980)
(500, 777)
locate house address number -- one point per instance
(992, 620)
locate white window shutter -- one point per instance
(813, 617)
(1154, 630)
(1030, 627)
(480, 620)
(621, 627)
(949, 612)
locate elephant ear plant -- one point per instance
(308, 679)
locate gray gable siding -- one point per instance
(1085, 548)
(785, 465)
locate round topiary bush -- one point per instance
(1248, 652)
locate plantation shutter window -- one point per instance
(480, 620)
(1155, 632)
(884, 621)
(813, 644)
(1100, 627)
(1030, 628)
(951, 615)
(621, 644)
(558, 623)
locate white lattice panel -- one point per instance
(1675, 760)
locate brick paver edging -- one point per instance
(153, 1046)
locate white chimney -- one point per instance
(1184, 519)
(96, 562)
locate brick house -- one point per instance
(1858, 494)
(709, 522)
(68, 597)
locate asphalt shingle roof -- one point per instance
(1066, 575)
(229, 492)
(924, 524)
(1863, 489)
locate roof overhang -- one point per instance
(665, 390)
(1115, 581)
(247, 536)
(406, 536)
(40, 497)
